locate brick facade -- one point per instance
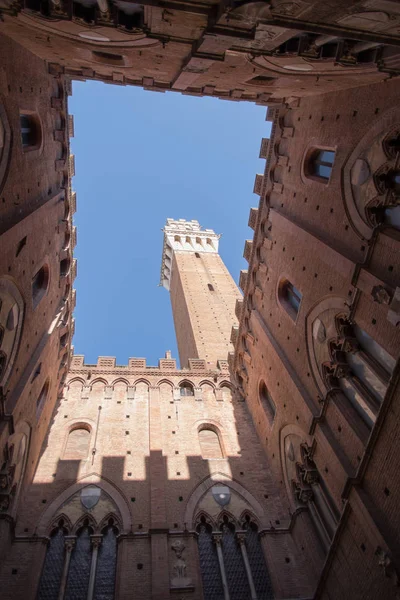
(292, 415)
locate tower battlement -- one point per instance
(185, 236)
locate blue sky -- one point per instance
(141, 157)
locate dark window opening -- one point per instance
(108, 58)
(210, 287)
(131, 21)
(30, 131)
(186, 389)
(266, 402)
(64, 267)
(40, 283)
(290, 298)
(86, 13)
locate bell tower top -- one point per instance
(185, 236)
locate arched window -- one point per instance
(289, 297)
(319, 164)
(259, 570)
(210, 444)
(106, 563)
(79, 568)
(11, 313)
(310, 489)
(31, 135)
(40, 283)
(266, 402)
(186, 389)
(41, 400)
(363, 368)
(209, 567)
(77, 447)
(53, 565)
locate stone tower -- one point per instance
(203, 293)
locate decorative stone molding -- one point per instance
(71, 165)
(73, 203)
(180, 580)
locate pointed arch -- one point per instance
(248, 515)
(98, 380)
(167, 381)
(92, 479)
(227, 384)
(105, 522)
(85, 520)
(119, 380)
(207, 382)
(74, 380)
(61, 521)
(202, 516)
(142, 380)
(224, 479)
(226, 514)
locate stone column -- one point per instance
(241, 537)
(96, 541)
(217, 537)
(69, 545)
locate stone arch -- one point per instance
(207, 518)
(80, 523)
(165, 381)
(76, 380)
(104, 522)
(98, 380)
(227, 384)
(109, 488)
(221, 478)
(207, 382)
(300, 436)
(327, 307)
(248, 513)
(142, 380)
(209, 422)
(76, 424)
(226, 514)
(67, 525)
(119, 380)
(12, 312)
(20, 439)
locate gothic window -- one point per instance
(30, 131)
(53, 565)
(79, 568)
(40, 283)
(319, 164)
(233, 560)
(186, 389)
(11, 311)
(209, 567)
(106, 563)
(77, 447)
(289, 297)
(41, 400)
(259, 571)
(266, 402)
(210, 444)
(310, 489)
(363, 369)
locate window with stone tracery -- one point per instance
(53, 564)
(78, 556)
(360, 367)
(224, 550)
